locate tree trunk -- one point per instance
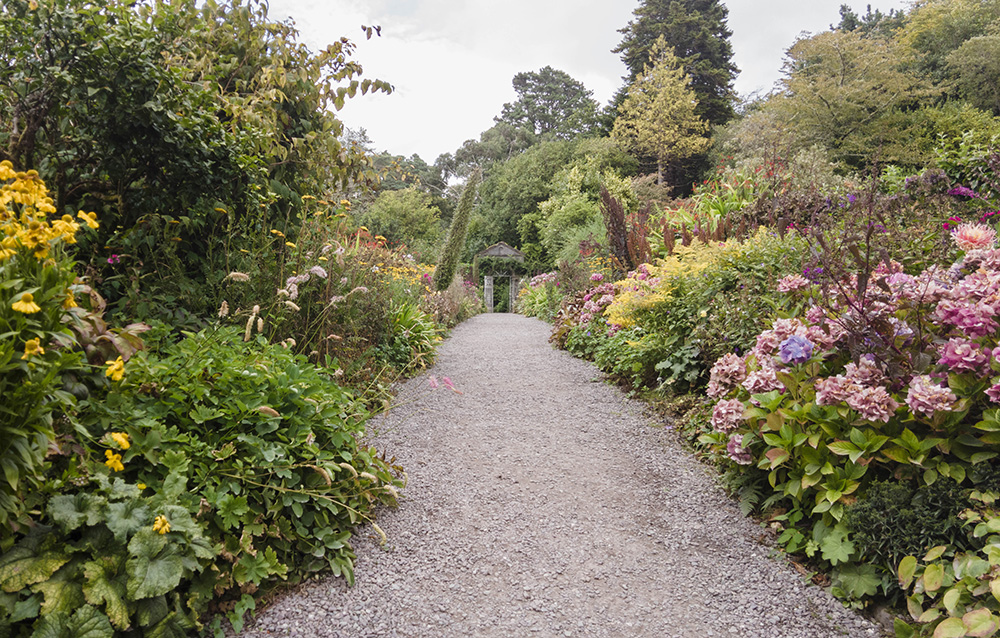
(659, 172)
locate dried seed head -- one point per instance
(366, 475)
(292, 305)
(223, 310)
(269, 411)
(237, 276)
(260, 325)
(249, 329)
(349, 468)
(381, 534)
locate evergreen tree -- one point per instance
(456, 235)
(699, 35)
(551, 104)
(659, 115)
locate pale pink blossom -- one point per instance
(794, 282)
(927, 396)
(737, 452)
(727, 415)
(974, 237)
(873, 403)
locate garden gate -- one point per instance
(501, 251)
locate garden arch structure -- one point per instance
(499, 251)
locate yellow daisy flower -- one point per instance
(116, 369)
(89, 218)
(121, 439)
(27, 304)
(141, 486)
(114, 461)
(161, 525)
(32, 347)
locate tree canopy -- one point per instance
(698, 32)
(659, 114)
(551, 105)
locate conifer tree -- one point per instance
(699, 35)
(659, 115)
(455, 243)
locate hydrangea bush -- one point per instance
(896, 376)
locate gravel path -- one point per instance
(541, 502)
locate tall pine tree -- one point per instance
(699, 35)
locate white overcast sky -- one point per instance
(452, 61)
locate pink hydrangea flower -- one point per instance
(728, 371)
(762, 380)
(727, 415)
(975, 319)
(737, 452)
(926, 396)
(993, 392)
(964, 355)
(866, 372)
(974, 237)
(834, 390)
(793, 282)
(873, 403)
(597, 277)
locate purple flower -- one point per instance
(597, 277)
(795, 349)
(963, 191)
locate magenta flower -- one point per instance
(597, 277)
(964, 355)
(432, 382)
(446, 382)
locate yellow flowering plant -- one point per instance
(39, 352)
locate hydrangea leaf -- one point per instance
(104, 585)
(154, 567)
(126, 518)
(70, 511)
(21, 567)
(933, 577)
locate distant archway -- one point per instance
(504, 252)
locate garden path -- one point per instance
(543, 502)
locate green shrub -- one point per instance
(244, 459)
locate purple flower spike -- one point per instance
(795, 349)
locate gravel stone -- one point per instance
(543, 502)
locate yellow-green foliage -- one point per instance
(644, 290)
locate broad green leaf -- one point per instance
(150, 611)
(933, 577)
(126, 518)
(980, 623)
(25, 609)
(951, 598)
(72, 511)
(62, 591)
(859, 581)
(105, 586)
(154, 567)
(836, 548)
(903, 629)
(935, 553)
(21, 567)
(174, 625)
(231, 508)
(88, 622)
(842, 448)
(995, 588)
(897, 454)
(907, 567)
(950, 628)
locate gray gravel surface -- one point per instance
(542, 502)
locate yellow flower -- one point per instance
(89, 218)
(69, 301)
(161, 525)
(141, 486)
(116, 369)
(121, 439)
(114, 461)
(26, 305)
(32, 347)
(290, 244)
(221, 210)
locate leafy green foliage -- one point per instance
(406, 218)
(550, 105)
